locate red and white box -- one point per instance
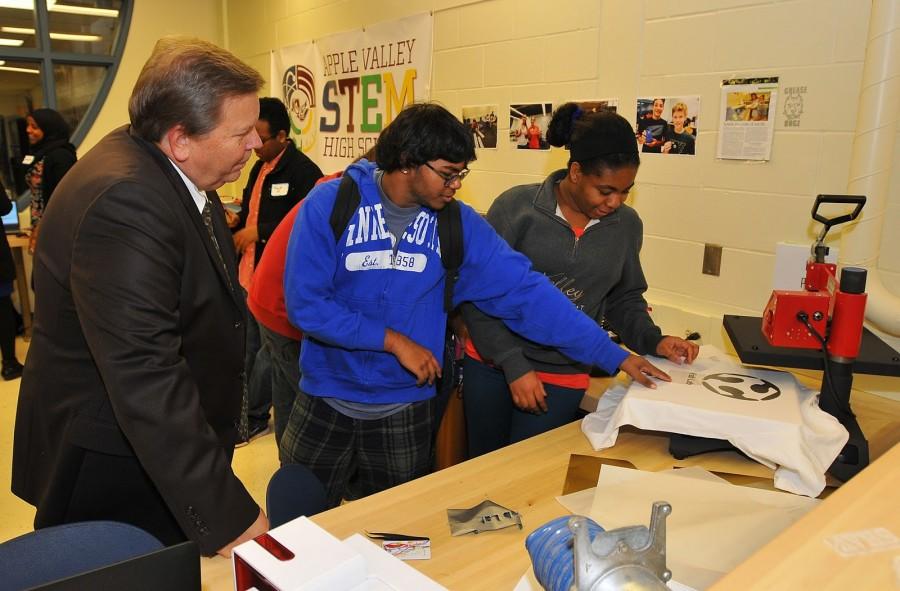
(301, 556)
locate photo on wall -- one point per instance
(528, 125)
(597, 105)
(747, 106)
(482, 120)
(745, 127)
(668, 125)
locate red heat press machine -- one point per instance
(824, 315)
(827, 316)
(819, 327)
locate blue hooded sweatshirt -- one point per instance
(344, 295)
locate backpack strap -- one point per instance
(450, 233)
(449, 221)
(345, 205)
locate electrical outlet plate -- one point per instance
(712, 259)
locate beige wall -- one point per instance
(502, 51)
(151, 20)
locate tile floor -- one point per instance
(254, 464)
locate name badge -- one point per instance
(279, 189)
(28, 159)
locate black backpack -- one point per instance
(449, 221)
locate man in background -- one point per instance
(131, 397)
(281, 177)
(280, 339)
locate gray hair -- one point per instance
(185, 82)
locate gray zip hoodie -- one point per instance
(599, 272)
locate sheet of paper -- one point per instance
(529, 583)
(581, 502)
(713, 526)
(747, 122)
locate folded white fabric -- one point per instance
(768, 415)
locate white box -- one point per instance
(311, 559)
(790, 265)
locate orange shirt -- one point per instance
(576, 381)
(248, 258)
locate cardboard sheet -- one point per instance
(713, 527)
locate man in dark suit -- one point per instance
(131, 397)
(278, 181)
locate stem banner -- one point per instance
(342, 90)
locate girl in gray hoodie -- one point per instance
(576, 229)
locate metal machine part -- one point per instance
(485, 516)
(565, 557)
(632, 558)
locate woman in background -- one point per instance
(50, 158)
(576, 230)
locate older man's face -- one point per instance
(217, 157)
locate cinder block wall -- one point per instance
(503, 51)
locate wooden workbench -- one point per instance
(528, 476)
(807, 556)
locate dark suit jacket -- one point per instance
(298, 172)
(138, 345)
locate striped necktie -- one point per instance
(243, 425)
(206, 214)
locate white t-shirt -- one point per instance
(766, 414)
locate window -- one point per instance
(60, 54)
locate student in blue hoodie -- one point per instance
(371, 308)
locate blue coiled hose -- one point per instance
(552, 555)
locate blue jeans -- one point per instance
(493, 421)
(284, 357)
(258, 369)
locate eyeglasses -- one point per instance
(449, 178)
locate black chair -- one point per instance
(55, 553)
(293, 491)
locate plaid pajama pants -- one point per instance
(353, 457)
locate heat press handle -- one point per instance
(859, 200)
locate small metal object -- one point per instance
(391, 537)
(485, 516)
